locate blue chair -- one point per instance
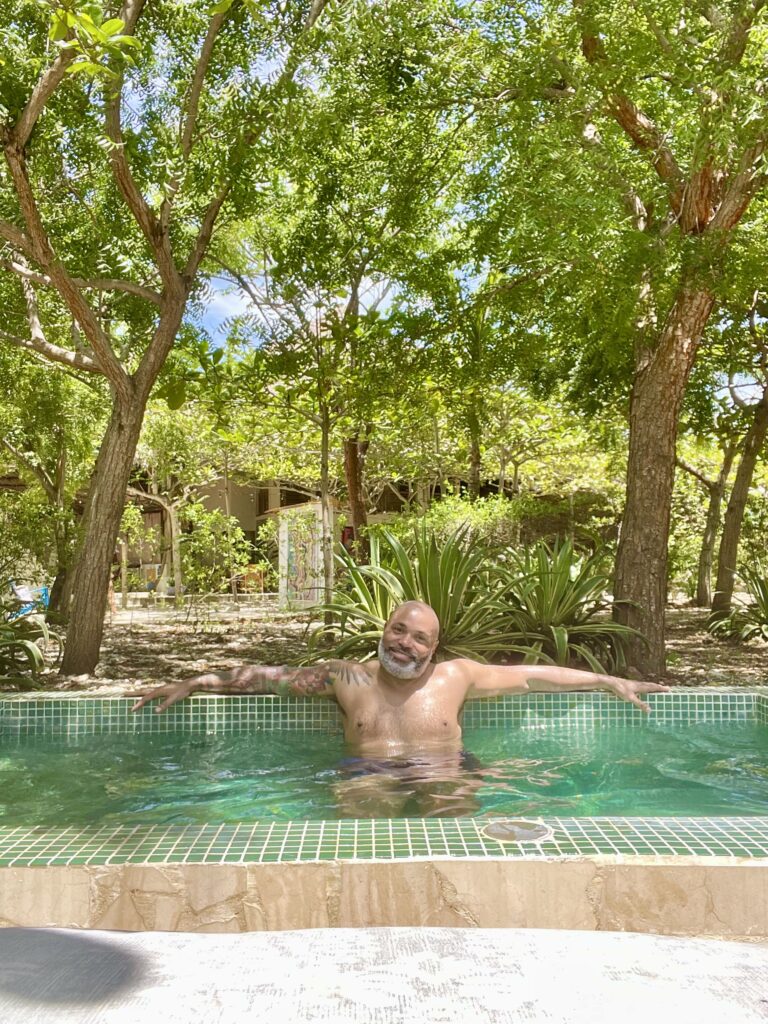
(31, 599)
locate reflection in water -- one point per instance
(427, 785)
(441, 785)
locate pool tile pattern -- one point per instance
(386, 839)
(48, 715)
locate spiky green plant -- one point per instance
(747, 621)
(555, 597)
(450, 575)
(23, 640)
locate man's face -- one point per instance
(407, 644)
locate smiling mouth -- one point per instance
(401, 655)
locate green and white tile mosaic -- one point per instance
(313, 841)
(49, 715)
(387, 839)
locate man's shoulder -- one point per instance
(455, 669)
(352, 673)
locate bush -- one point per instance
(542, 603)
(451, 575)
(23, 642)
(554, 597)
(747, 621)
(215, 552)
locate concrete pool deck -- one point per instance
(386, 975)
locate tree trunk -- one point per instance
(178, 574)
(734, 514)
(640, 589)
(475, 457)
(227, 513)
(706, 555)
(55, 601)
(166, 558)
(123, 573)
(354, 458)
(101, 523)
(326, 513)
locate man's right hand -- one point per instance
(171, 694)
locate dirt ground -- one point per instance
(144, 649)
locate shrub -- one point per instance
(554, 598)
(452, 576)
(542, 603)
(747, 621)
(23, 642)
(215, 552)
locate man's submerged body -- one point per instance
(401, 714)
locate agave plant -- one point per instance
(748, 621)
(23, 640)
(554, 598)
(450, 575)
(27, 643)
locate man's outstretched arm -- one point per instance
(493, 680)
(314, 681)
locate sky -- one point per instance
(225, 302)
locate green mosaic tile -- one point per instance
(50, 715)
(296, 842)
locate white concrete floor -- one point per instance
(378, 975)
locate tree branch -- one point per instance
(709, 484)
(738, 36)
(193, 102)
(105, 284)
(74, 360)
(745, 182)
(135, 201)
(204, 234)
(45, 256)
(735, 396)
(646, 137)
(37, 471)
(46, 85)
(17, 238)
(149, 224)
(193, 105)
(637, 125)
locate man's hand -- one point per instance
(628, 689)
(172, 692)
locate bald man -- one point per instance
(401, 712)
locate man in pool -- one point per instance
(401, 713)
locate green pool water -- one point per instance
(702, 770)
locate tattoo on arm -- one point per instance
(285, 681)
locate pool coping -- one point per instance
(739, 839)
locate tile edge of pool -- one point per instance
(368, 840)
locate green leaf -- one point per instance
(113, 26)
(86, 66)
(58, 28)
(175, 394)
(221, 7)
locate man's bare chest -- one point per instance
(431, 712)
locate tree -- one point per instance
(359, 194)
(151, 170)
(756, 415)
(658, 112)
(49, 423)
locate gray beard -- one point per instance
(400, 670)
